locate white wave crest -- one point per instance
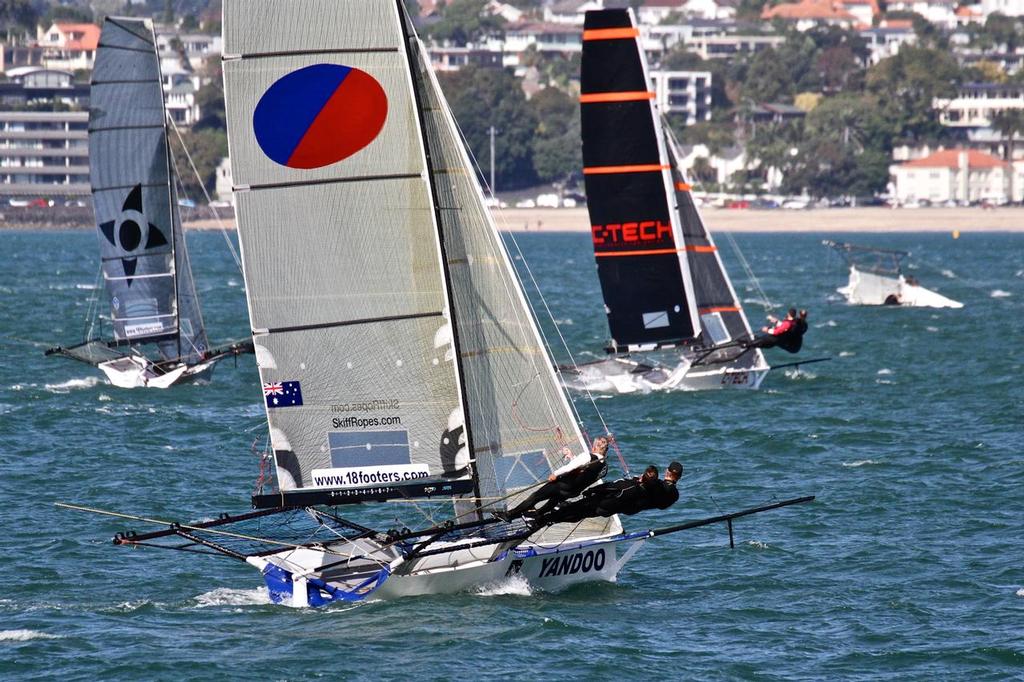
(226, 596)
(884, 371)
(884, 382)
(25, 635)
(1020, 592)
(932, 329)
(827, 323)
(800, 374)
(72, 384)
(949, 274)
(859, 463)
(758, 544)
(234, 283)
(87, 287)
(566, 322)
(999, 293)
(514, 585)
(846, 353)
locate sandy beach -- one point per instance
(874, 219)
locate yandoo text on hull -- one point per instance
(143, 257)
(674, 317)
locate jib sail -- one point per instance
(638, 243)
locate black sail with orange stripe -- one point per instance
(637, 246)
(712, 291)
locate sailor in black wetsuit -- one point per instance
(626, 496)
(564, 483)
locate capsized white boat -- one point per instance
(143, 256)
(674, 317)
(876, 278)
(400, 365)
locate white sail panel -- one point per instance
(320, 254)
(346, 288)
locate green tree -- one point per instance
(18, 14)
(466, 21)
(557, 152)
(905, 86)
(485, 97)
(207, 148)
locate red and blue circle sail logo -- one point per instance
(319, 115)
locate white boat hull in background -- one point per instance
(868, 288)
(619, 375)
(138, 372)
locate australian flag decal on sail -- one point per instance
(283, 394)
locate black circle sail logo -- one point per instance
(130, 231)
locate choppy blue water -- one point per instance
(910, 565)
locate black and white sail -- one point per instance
(144, 258)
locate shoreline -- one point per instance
(866, 220)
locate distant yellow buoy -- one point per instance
(956, 234)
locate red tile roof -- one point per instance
(80, 36)
(950, 158)
(807, 9)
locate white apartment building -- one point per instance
(942, 13)
(44, 153)
(683, 92)
(956, 175)
(885, 42)
(976, 104)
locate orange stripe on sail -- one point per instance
(610, 33)
(650, 252)
(701, 249)
(683, 187)
(606, 170)
(719, 309)
(626, 96)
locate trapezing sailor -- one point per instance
(568, 481)
(787, 333)
(628, 496)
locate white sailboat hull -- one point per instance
(138, 372)
(546, 567)
(868, 288)
(619, 375)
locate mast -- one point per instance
(408, 41)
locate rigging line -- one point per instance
(544, 335)
(172, 524)
(940, 269)
(498, 248)
(209, 200)
(745, 264)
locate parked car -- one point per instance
(526, 203)
(548, 200)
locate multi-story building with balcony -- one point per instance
(69, 46)
(684, 92)
(44, 153)
(977, 103)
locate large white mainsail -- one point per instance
(379, 291)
